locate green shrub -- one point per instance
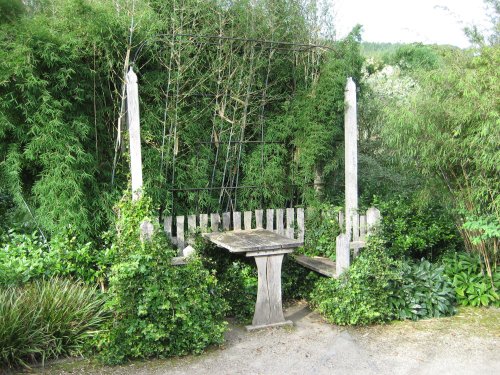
(361, 294)
(416, 229)
(159, 309)
(423, 292)
(472, 286)
(25, 257)
(46, 319)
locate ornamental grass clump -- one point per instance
(47, 319)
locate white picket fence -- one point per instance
(289, 222)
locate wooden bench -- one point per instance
(267, 236)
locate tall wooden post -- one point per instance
(351, 157)
(134, 134)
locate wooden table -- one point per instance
(268, 249)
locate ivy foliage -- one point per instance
(361, 294)
(158, 309)
(27, 257)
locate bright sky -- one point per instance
(426, 21)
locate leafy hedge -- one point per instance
(417, 229)
(27, 256)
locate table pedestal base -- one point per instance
(268, 307)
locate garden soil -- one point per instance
(468, 343)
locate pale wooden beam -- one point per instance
(134, 133)
(351, 156)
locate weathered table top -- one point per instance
(241, 241)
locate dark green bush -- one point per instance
(415, 229)
(361, 294)
(159, 309)
(472, 286)
(424, 291)
(46, 319)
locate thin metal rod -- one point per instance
(215, 188)
(231, 38)
(231, 142)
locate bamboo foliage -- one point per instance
(216, 80)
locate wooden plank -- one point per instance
(341, 220)
(237, 220)
(191, 224)
(356, 245)
(181, 244)
(342, 253)
(215, 222)
(268, 307)
(362, 227)
(355, 227)
(258, 219)
(261, 253)
(351, 155)
(290, 219)
(203, 222)
(134, 131)
(248, 220)
(321, 265)
(252, 240)
(261, 313)
(270, 219)
(226, 220)
(178, 261)
(167, 226)
(373, 218)
(279, 222)
(300, 223)
(274, 289)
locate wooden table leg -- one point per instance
(268, 307)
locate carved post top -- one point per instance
(131, 76)
(350, 85)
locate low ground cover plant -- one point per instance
(472, 286)
(424, 291)
(48, 318)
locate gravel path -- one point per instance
(468, 343)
